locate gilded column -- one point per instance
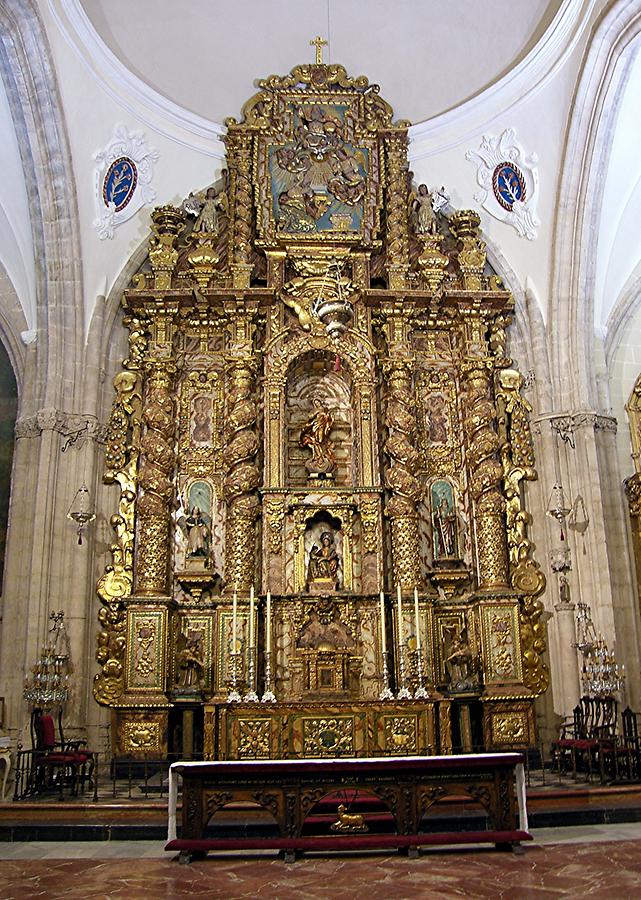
(400, 479)
(486, 473)
(243, 476)
(397, 209)
(239, 157)
(633, 492)
(158, 458)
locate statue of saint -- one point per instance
(315, 435)
(324, 561)
(424, 211)
(444, 525)
(190, 660)
(460, 661)
(197, 534)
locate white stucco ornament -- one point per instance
(123, 174)
(509, 180)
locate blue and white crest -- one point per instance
(509, 180)
(123, 176)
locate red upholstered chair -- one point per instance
(586, 737)
(56, 763)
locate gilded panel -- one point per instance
(224, 636)
(140, 734)
(254, 738)
(501, 643)
(318, 736)
(401, 734)
(146, 639)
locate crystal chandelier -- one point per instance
(48, 684)
(600, 673)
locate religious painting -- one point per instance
(444, 521)
(436, 419)
(439, 432)
(319, 178)
(201, 421)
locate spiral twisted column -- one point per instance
(400, 480)
(157, 462)
(239, 157)
(486, 473)
(243, 475)
(396, 188)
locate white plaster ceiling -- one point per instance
(427, 55)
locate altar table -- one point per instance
(290, 789)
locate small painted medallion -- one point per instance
(120, 182)
(508, 184)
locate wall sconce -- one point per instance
(81, 510)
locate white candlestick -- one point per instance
(234, 622)
(417, 621)
(251, 617)
(399, 616)
(383, 638)
(268, 623)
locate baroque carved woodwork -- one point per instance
(317, 403)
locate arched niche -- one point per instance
(348, 366)
(316, 378)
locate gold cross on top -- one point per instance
(319, 43)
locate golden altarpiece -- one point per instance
(317, 404)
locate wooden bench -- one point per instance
(406, 786)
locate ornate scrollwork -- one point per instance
(517, 456)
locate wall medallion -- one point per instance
(509, 180)
(123, 174)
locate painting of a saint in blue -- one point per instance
(319, 179)
(444, 523)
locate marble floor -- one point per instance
(584, 861)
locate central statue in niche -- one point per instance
(315, 435)
(324, 562)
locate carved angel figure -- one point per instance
(206, 206)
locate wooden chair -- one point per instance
(51, 764)
(584, 738)
(621, 757)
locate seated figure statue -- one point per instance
(324, 561)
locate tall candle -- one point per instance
(383, 638)
(268, 623)
(251, 617)
(234, 622)
(399, 607)
(417, 621)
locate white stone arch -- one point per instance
(12, 325)
(596, 103)
(29, 76)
